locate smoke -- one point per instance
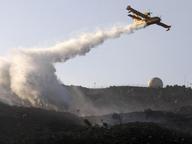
(28, 77)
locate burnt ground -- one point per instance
(164, 117)
(125, 99)
(132, 133)
(35, 126)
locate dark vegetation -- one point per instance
(132, 133)
(35, 126)
(24, 125)
(130, 99)
(164, 116)
(172, 120)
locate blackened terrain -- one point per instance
(145, 116)
(35, 126)
(132, 133)
(125, 99)
(27, 125)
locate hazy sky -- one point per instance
(130, 60)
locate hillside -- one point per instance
(143, 115)
(19, 125)
(129, 99)
(24, 125)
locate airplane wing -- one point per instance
(134, 17)
(130, 9)
(164, 25)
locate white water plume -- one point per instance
(28, 78)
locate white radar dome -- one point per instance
(155, 83)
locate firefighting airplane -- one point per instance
(146, 17)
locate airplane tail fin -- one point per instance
(129, 8)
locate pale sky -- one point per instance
(129, 60)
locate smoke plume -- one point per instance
(28, 78)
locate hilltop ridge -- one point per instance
(131, 98)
